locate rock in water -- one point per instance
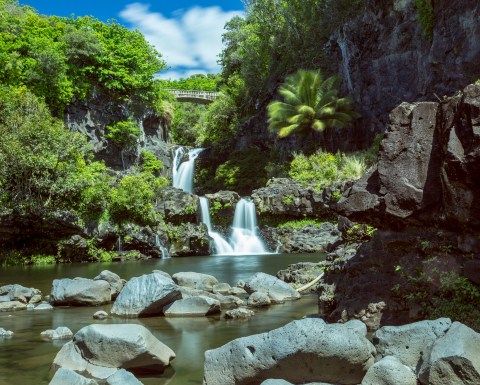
(61, 332)
(80, 292)
(69, 377)
(146, 295)
(277, 290)
(115, 282)
(122, 377)
(99, 350)
(302, 351)
(194, 280)
(193, 306)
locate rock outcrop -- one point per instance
(277, 290)
(325, 353)
(80, 292)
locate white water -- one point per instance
(162, 248)
(244, 239)
(183, 171)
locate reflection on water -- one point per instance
(26, 358)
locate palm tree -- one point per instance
(310, 104)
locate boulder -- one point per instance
(69, 377)
(12, 306)
(222, 288)
(194, 280)
(237, 291)
(5, 333)
(309, 239)
(43, 306)
(59, 333)
(146, 295)
(122, 377)
(389, 371)
(19, 293)
(178, 206)
(189, 239)
(193, 306)
(222, 205)
(99, 350)
(100, 315)
(410, 343)
(240, 313)
(454, 358)
(226, 301)
(277, 290)
(79, 292)
(115, 282)
(335, 353)
(259, 299)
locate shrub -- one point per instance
(298, 224)
(150, 163)
(426, 16)
(124, 133)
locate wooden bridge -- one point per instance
(192, 96)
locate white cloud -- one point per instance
(192, 39)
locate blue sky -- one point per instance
(186, 32)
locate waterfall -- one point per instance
(162, 248)
(183, 171)
(343, 44)
(244, 239)
(221, 246)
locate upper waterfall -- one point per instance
(183, 171)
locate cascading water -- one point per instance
(244, 239)
(183, 171)
(221, 246)
(162, 248)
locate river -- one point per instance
(26, 359)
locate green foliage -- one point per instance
(310, 104)
(124, 133)
(39, 159)
(133, 199)
(324, 169)
(426, 16)
(150, 163)
(299, 224)
(187, 121)
(287, 200)
(198, 82)
(14, 257)
(61, 59)
(244, 172)
(359, 232)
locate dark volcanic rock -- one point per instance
(189, 239)
(178, 206)
(426, 170)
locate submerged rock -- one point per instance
(5, 333)
(259, 299)
(69, 377)
(100, 315)
(146, 295)
(122, 377)
(61, 332)
(12, 306)
(80, 292)
(335, 353)
(240, 313)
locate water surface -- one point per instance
(26, 359)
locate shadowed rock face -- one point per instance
(427, 168)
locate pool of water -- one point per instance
(26, 358)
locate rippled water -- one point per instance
(26, 359)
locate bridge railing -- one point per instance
(194, 94)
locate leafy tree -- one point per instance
(310, 103)
(124, 133)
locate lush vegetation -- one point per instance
(426, 16)
(310, 104)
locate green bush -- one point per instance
(150, 163)
(426, 16)
(134, 198)
(124, 133)
(299, 224)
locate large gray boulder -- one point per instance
(194, 280)
(189, 239)
(115, 282)
(454, 358)
(69, 377)
(193, 306)
(259, 299)
(410, 343)
(389, 371)
(80, 292)
(277, 290)
(335, 353)
(12, 306)
(122, 377)
(99, 350)
(19, 293)
(146, 295)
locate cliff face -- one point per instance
(92, 116)
(385, 59)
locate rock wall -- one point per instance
(91, 117)
(385, 58)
